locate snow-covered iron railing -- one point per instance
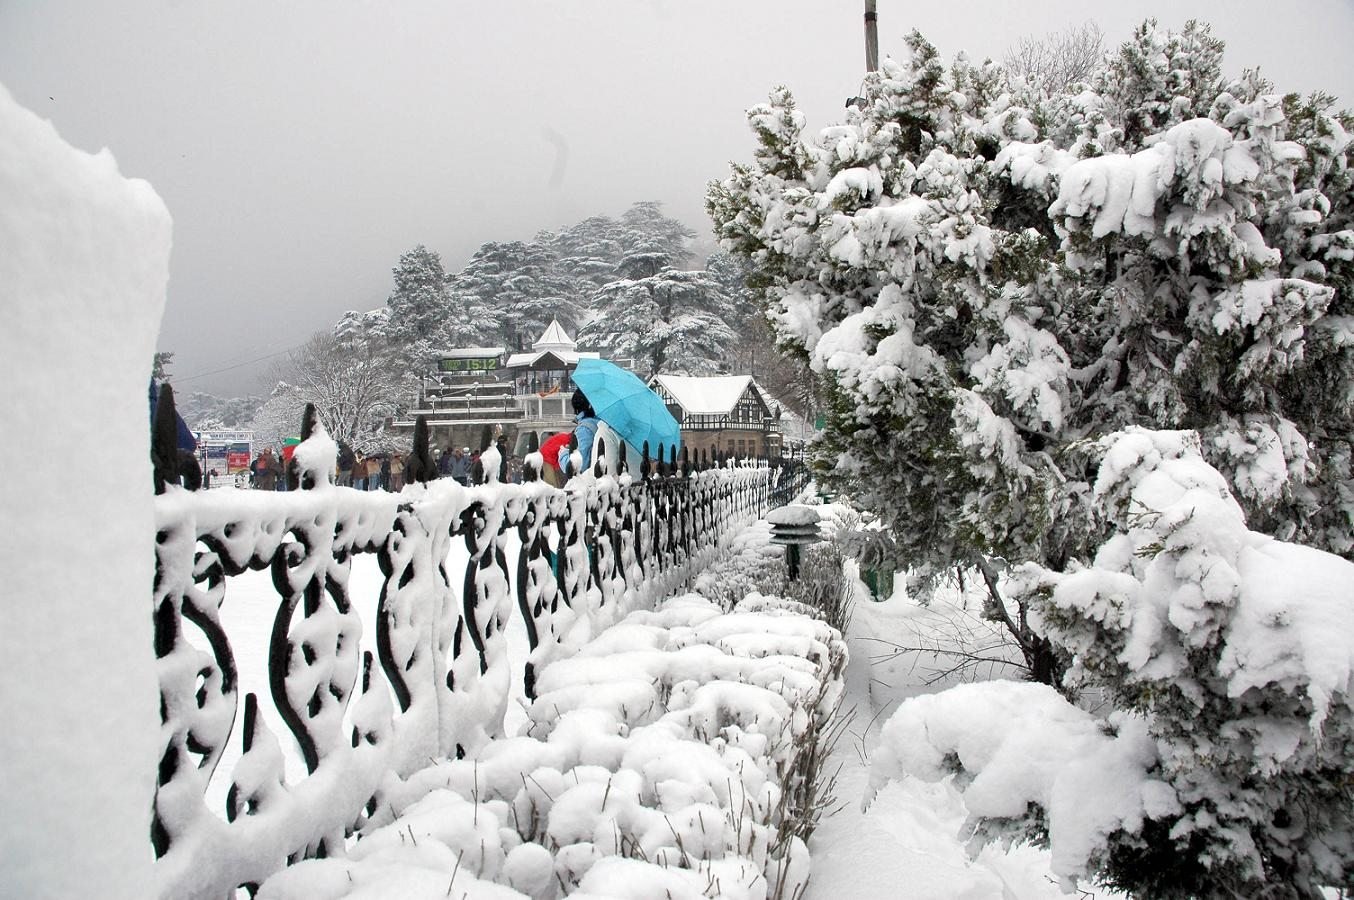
(438, 683)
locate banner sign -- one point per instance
(225, 452)
(224, 437)
(237, 458)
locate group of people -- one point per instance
(385, 470)
(268, 472)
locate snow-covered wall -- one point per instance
(84, 260)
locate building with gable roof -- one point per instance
(545, 368)
(721, 414)
(524, 393)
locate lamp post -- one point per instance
(871, 37)
(794, 526)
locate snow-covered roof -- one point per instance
(568, 357)
(792, 425)
(555, 338)
(705, 394)
(472, 352)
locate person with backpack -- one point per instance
(265, 470)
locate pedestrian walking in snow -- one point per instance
(346, 459)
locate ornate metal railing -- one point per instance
(569, 561)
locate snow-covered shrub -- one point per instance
(986, 276)
(1227, 767)
(750, 564)
(822, 585)
(664, 760)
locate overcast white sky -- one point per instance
(302, 145)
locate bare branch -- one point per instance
(1056, 61)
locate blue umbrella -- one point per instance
(625, 403)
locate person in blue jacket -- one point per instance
(585, 431)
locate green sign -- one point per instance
(468, 364)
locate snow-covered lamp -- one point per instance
(795, 526)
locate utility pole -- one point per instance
(871, 37)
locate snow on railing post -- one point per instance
(486, 603)
(592, 529)
(538, 591)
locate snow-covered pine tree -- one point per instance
(989, 281)
(355, 327)
(161, 364)
(671, 322)
(1233, 652)
(1223, 766)
(517, 283)
(986, 277)
(470, 319)
(418, 307)
(596, 237)
(754, 352)
(649, 231)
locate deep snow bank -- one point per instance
(84, 259)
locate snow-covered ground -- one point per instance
(907, 842)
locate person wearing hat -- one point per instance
(585, 431)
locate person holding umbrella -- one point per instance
(585, 431)
(636, 414)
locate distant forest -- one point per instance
(629, 287)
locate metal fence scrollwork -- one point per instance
(454, 563)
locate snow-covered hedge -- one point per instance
(661, 762)
(1229, 655)
(438, 684)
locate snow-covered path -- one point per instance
(906, 843)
